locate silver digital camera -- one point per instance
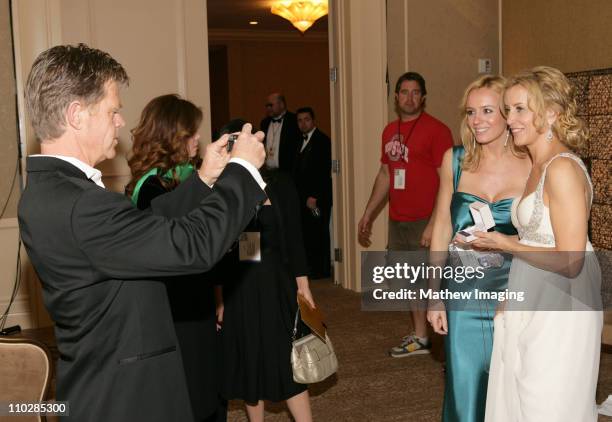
(230, 141)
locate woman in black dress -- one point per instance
(165, 153)
(260, 303)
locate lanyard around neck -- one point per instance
(399, 122)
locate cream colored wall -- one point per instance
(442, 40)
(567, 34)
(172, 60)
(9, 180)
(21, 309)
(9, 183)
(261, 62)
(359, 113)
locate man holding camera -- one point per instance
(99, 259)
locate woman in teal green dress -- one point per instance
(488, 169)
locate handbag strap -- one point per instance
(295, 324)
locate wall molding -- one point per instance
(9, 223)
(21, 309)
(181, 54)
(19, 84)
(361, 57)
(21, 304)
(500, 33)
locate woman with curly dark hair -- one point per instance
(165, 153)
(165, 148)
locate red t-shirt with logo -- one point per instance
(417, 146)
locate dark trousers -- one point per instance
(316, 241)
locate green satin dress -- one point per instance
(470, 323)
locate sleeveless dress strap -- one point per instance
(458, 153)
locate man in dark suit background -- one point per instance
(313, 180)
(98, 257)
(282, 134)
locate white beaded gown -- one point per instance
(545, 363)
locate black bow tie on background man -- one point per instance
(279, 120)
(304, 142)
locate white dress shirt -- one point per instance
(308, 136)
(92, 174)
(95, 175)
(273, 142)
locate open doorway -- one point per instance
(266, 57)
(249, 61)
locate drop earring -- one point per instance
(507, 136)
(549, 134)
(473, 143)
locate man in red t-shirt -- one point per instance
(412, 150)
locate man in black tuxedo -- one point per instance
(313, 180)
(282, 134)
(99, 258)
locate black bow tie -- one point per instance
(279, 120)
(305, 136)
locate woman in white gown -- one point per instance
(545, 358)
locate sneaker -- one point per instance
(411, 345)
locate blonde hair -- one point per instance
(473, 151)
(549, 89)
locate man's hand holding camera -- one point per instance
(246, 146)
(249, 147)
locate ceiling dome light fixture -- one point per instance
(301, 13)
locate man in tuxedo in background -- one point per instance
(313, 180)
(282, 134)
(99, 258)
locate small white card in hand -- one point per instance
(606, 407)
(399, 178)
(481, 213)
(467, 256)
(249, 245)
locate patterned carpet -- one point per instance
(370, 386)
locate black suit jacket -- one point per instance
(192, 304)
(313, 170)
(290, 140)
(98, 257)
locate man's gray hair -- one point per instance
(61, 75)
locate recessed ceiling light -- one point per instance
(253, 23)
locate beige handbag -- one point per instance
(312, 359)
